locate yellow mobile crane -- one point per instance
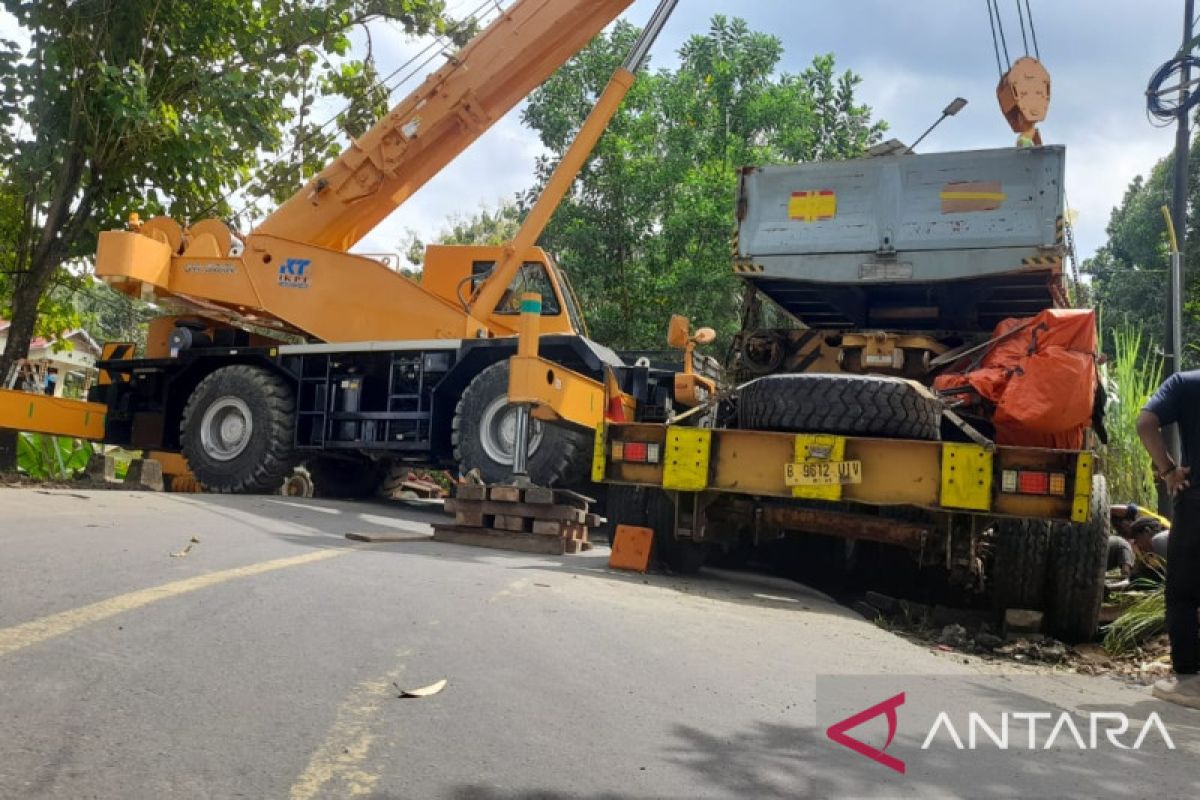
(388, 370)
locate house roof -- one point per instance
(78, 335)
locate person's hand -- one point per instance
(1177, 480)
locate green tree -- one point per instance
(1129, 273)
(486, 226)
(647, 229)
(153, 106)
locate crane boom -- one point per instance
(564, 175)
(438, 121)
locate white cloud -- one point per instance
(914, 58)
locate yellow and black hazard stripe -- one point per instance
(744, 266)
(1060, 231)
(1042, 261)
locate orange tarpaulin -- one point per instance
(1042, 379)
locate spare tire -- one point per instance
(862, 405)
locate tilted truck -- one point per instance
(284, 347)
(924, 402)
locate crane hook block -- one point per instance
(1024, 95)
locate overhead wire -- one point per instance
(1037, 53)
(995, 41)
(1021, 17)
(998, 26)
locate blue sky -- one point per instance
(913, 57)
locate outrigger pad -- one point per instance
(631, 548)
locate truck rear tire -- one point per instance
(1020, 558)
(862, 405)
(648, 507)
(1078, 556)
(237, 430)
(345, 477)
(483, 430)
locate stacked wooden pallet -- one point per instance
(528, 519)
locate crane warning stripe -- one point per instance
(970, 196)
(814, 205)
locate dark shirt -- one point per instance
(1178, 401)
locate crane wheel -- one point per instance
(237, 430)
(483, 436)
(298, 484)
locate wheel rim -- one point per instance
(226, 428)
(498, 429)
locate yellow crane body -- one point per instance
(293, 274)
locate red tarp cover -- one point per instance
(1042, 379)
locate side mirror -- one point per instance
(678, 333)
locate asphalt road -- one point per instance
(263, 663)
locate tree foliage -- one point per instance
(647, 229)
(1129, 273)
(491, 226)
(166, 107)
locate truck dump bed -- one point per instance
(945, 241)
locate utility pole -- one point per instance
(1175, 283)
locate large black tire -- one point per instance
(237, 430)
(482, 437)
(1078, 556)
(355, 477)
(1020, 558)
(864, 405)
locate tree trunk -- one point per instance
(8, 451)
(26, 296)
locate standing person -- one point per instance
(1177, 402)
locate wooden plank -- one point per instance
(500, 540)
(472, 519)
(470, 491)
(389, 537)
(549, 527)
(539, 495)
(504, 494)
(572, 546)
(573, 530)
(530, 510)
(509, 523)
(594, 520)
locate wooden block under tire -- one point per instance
(539, 495)
(510, 523)
(548, 527)
(500, 540)
(470, 491)
(474, 519)
(504, 494)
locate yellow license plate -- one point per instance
(822, 473)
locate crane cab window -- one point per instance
(531, 277)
